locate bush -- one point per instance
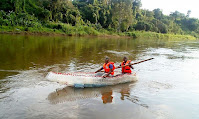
(20, 19)
(131, 34)
(143, 26)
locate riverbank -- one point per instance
(68, 30)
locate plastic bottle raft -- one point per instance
(89, 79)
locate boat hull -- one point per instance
(82, 80)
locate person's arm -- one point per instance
(108, 73)
(131, 67)
(99, 70)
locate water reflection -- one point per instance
(107, 96)
(72, 94)
(125, 92)
(105, 93)
(20, 52)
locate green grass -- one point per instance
(84, 30)
(137, 34)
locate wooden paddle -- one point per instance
(134, 63)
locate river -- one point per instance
(167, 86)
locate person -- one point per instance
(126, 69)
(108, 68)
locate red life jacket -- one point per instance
(107, 69)
(126, 69)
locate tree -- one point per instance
(191, 24)
(7, 5)
(177, 16)
(188, 13)
(158, 14)
(162, 28)
(136, 6)
(143, 26)
(122, 14)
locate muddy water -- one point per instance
(167, 87)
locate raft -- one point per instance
(89, 79)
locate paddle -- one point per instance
(134, 63)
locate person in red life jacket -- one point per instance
(126, 69)
(108, 68)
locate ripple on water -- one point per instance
(117, 53)
(28, 94)
(159, 85)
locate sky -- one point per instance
(168, 6)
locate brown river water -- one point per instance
(167, 86)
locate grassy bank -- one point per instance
(68, 30)
(145, 34)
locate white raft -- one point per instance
(82, 79)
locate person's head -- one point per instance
(125, 59)
(106, 60)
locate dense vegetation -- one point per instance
(92, 17)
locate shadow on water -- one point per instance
(68, 94)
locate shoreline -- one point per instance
(134, 34)
(61, 34)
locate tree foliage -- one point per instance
(116, 15)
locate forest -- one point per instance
(92, 17)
